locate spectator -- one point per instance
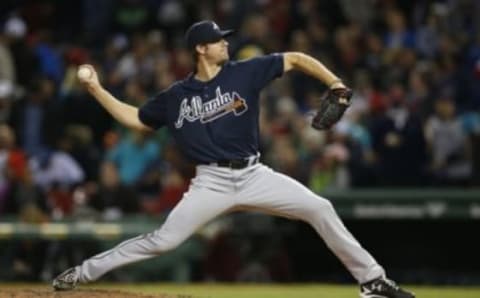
(448, 144)
(398, 142)
(173, 187)
(36, 118)
(50, 60)
(7, 65)
(52, 168)
(131, 15)
(26, 64)
(398, 36)
(111, 197)
(132, 156)
(137, 61)
(6, 98)
(13, 171)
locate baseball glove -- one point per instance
(332, 106)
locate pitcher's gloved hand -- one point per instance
(332, 106)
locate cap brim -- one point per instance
(226, 33)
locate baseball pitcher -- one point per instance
(213, 116)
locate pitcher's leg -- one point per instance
(278, 194)
(197, 207)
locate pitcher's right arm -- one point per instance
(124, 113)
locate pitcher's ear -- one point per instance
(201, 49)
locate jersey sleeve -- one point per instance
(154, 112)
(266, 69)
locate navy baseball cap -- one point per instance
(205, 32)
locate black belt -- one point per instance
(235, 163)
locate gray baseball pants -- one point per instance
(216, 190)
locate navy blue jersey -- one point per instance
(218, 119)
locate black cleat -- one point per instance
(66, 281)
(383, 288)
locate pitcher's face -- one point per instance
(216, 52)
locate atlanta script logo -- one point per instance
(213, 109)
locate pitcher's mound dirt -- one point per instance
(79, 293)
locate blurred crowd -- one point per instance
(414, 67)
(414, 119)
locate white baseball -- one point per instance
(84, 73)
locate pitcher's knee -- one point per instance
(164, 242)
(326, 204)
(319, 208)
